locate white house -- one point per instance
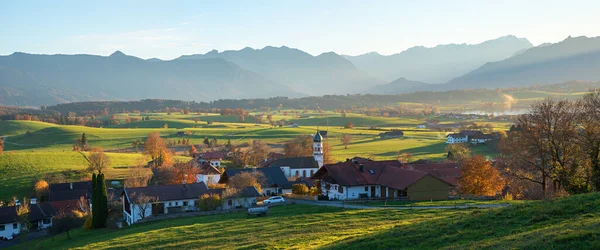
(297, 166)
(143, 202)
(208, 174)
(40, 217)
(457, 138)
(213, 157)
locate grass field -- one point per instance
(33, 149)
(20, 169)
(565, 223)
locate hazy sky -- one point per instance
(168, 29)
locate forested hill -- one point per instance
(331, 102)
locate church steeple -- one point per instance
(318, 148)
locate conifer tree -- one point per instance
(94, 200)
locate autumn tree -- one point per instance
(185, 172)
(589, 135)
(405, 157)
(246, 179)
(478, 177)
(257, 153)
(164, 175)
(23, 210)
(137, 176)
(1, 145)
(300, 146)
(349, 125)
(98, 160)
(154, 146)
(193, 151)
(346, 139)
(458, 151)
(328, 157)
(300, 189)
(41, 190)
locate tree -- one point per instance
(41, 190)
(328, 153)
(258, 152)
(1, 145)
(247, 179)
(300, 146)
(478, 177)
(346, 139)
(95, 199)
(185, 172)
(405, 157)
(458, 151)
(84, 142)
(164, 175)
(23, 210)
(299, 189)
(65, 222)
(349, 125)
(209, 202)
(193, 151)
(589, 137)
(154, 146)
(100, 208)
(98, 160)
(206, 141)
(137, 176)
(143, 202)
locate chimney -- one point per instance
(71, 185)
(33, 201)
(361, 168)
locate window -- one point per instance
(312, 172)
(297, 173)
(15, 226)
(366, 189)
(185, 203)
(304, 173)
(230, 202)
(340, 189)
(1, 227)
(46, 221)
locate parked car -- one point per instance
(274, 199)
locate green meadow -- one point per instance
(564, 223)
(34, 149)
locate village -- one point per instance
(274, 181)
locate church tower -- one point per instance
(318, 148)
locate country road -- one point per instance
(341, 204)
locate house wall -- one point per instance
(135, 209)
(209, 178)
(9, 231)
(428, 188)
(349, 193)
(452, 140)
(244, 202)
(302, 172)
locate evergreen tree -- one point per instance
(94, 200)
(215, 140)
(206, 141)
(84, 141)
(103, 201)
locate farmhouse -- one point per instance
(213, 157)
(275, 180)
(40, 217)
(66, 197)
(143, 202)
(447, 171)
(379, 179)
(297, 166)
(472, 136)
(391, 134)
(208, 174)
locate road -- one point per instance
(341, 204)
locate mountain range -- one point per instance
(33, 80)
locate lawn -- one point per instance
(20, 169)
(565, 223)
(451, 203)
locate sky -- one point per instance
(168, 29)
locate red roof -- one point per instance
(447, 171)
(208, 169)
(213, 155)
(385, 173)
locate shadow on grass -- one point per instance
(561, 224)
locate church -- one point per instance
(303, 166)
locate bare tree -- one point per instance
(98, 160)
(143, 202)
(346, 139)
(589, 134)
(154, 146)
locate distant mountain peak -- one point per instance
(117, 54)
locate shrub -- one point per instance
(87, 224)
(299, 189)
(209, 202)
